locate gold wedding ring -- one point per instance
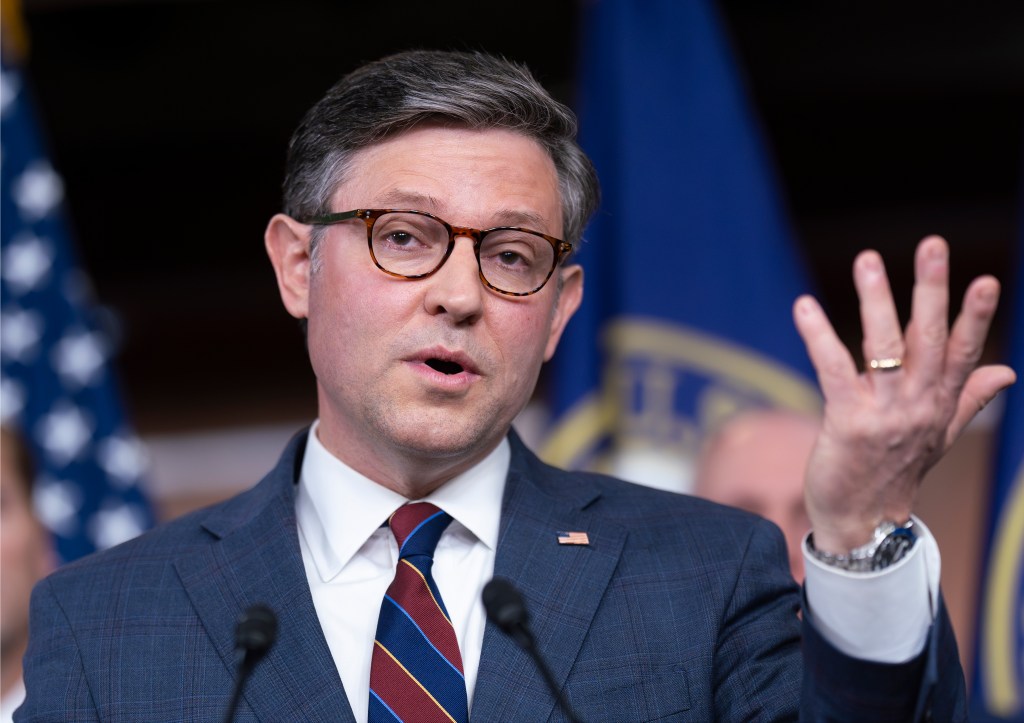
(889, 364)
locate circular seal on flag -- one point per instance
(664, 388)
(1002, 629)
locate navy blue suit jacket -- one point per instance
(678, 609)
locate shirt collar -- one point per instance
(338, 509)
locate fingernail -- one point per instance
(870, 263)
(937, 252)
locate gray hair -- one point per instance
(392, 95)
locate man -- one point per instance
(426, 337)
(756, 461)
(27, 556)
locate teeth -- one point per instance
(445, 367)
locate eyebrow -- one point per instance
(412, 200)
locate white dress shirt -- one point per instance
(350, 562)
(881, 616)
(350, 559)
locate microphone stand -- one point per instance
(254, 634)
(506, 609)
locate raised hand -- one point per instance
(884, 428)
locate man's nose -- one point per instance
(456, 288)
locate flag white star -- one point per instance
(64, 432)
(10, 87)
(123, 458)
(26, 262)
(115, 524)
(37, 190)
(57, 503)
(12, 399)
(20, 332)
(79, 357)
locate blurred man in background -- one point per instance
(26, 556)
(757, 461)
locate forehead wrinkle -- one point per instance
(415, 201)
(412, 201)
(512, 217)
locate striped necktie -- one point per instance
(416, 672)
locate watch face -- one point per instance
(893, 548)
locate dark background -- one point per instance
(169, 121)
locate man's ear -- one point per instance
(287, 243)
(569, 299)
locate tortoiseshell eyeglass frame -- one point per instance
(369, 216)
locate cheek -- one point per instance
(353, 322)
(338, 307)
(22, 551)
(523, 336)
(13, 539)
(333, 336)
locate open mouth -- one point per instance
(445, 367)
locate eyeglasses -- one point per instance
(414, 244)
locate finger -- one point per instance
(928, 329)
(981, 387)
(883, 338)
(837, 372)
(967, 338)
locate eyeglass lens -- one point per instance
(409, 244)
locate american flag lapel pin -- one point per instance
(573, 538)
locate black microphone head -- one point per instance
(256, 630)
(504, 605)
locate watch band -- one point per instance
(889, 544)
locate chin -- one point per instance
(439, 444)
(441, 434)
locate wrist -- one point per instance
(841, 541)
(889, 543)
(840, 531)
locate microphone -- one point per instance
(254, 634)
(506, 608)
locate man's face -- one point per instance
(430, 371)
(758, 462)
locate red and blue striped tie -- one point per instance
(416, 673)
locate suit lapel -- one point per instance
(562, 584)
(257, 560)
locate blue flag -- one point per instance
(56, 383)
(998, 691)
(691, 266)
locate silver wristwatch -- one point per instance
(889, 544)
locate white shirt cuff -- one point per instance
(881, 616)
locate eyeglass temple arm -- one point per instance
(330, 218)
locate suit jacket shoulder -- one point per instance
(145, 630)
(677, 607)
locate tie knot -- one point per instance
(417, 528)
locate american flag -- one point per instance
(573, 538)
(56, 381)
